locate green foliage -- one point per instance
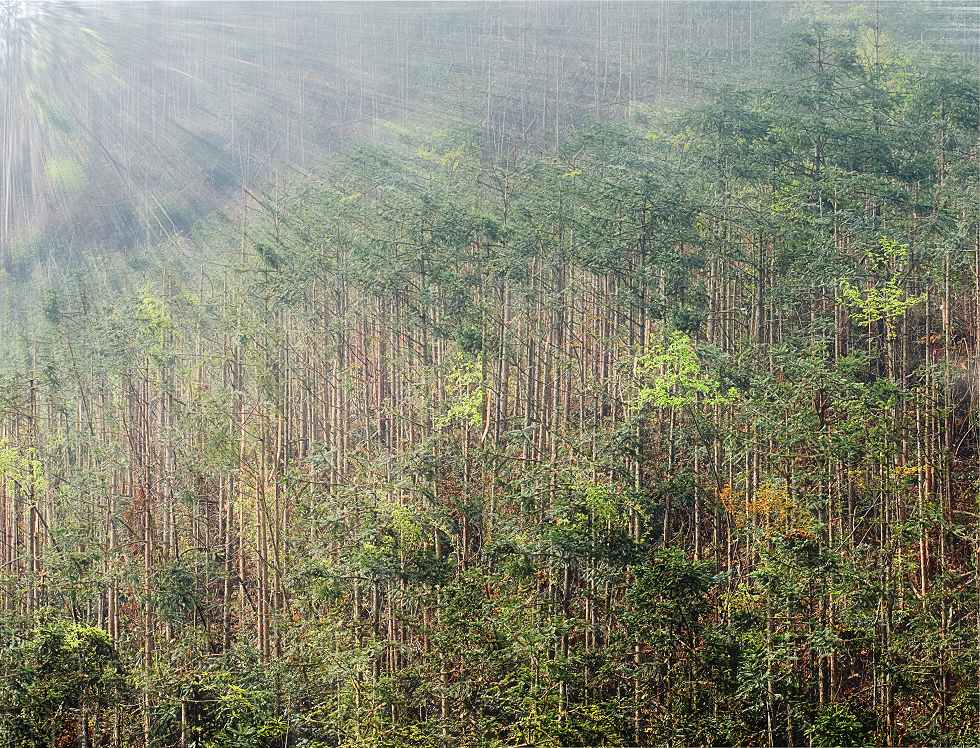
(886, 300)
(65, 174)
(54, 677)
(156, 324)
(21, 468)
(670, 375)
(837, 725)
(465, 395)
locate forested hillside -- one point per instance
(661, 431)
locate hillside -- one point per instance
(640, 424)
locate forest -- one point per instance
(608, 376)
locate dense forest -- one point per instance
(652, 423)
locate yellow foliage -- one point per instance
(21, 467)
(450, 159)
(770, 499)
(908, 472)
